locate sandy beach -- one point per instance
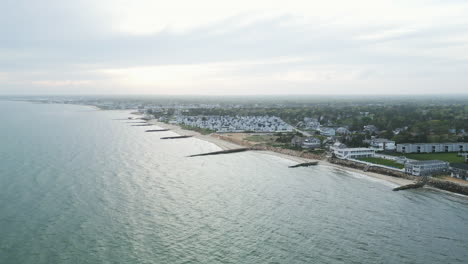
(225, 145)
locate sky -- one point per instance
(218, 47)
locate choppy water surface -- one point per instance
(77, 186)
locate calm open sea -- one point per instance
(78, 186)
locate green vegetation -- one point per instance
(385, 162)
(279, 140)
(317, 151)
(261, 138)
(449, 157)
(203, 131)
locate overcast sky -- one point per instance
(233, 47)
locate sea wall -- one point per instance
(433, 182)
(448, 186)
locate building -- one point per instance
(459, 170)
(382, 144)
(353, 153)
(432, 147)
(426, 167)
(338, 145)
(342, 131)
(327, 131)
(306, 142)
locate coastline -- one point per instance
(226, 145)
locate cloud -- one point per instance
(206, 46)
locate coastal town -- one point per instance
(288, 127)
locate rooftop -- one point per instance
(443, 143)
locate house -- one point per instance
(353, 153)
(342, 131)
(327, 131)
(432, 147)
(426, 167)
(381, 144)
(459, 170)
(338, 145)
(306, 142)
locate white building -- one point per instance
(327, 131)
(426, 167)
(432, 147)
(382, 144)
(353, 153)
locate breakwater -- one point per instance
(305, 164)
(221, 152)
(416, 185)
(157, 130)
(177, 137)
(143, 125)
(433, 182)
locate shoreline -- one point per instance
(226, 145)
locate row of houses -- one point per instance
(236, 123)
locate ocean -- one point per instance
(80, 185)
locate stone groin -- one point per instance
(157, 130)
(143, 125)
(177, 137)
(221, 152)
(305, 164)
(416, 185)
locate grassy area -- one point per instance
(203, 131)
(445, 156)
(449, 157)
(385, 162)
(261, 138)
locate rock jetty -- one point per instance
(221, 152)
(305, 164)
(157, 130)
(177, 137)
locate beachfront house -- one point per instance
(306, 142)
(432, 147)
(353, 153)
(426, 167)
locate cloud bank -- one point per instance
(239, 47)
